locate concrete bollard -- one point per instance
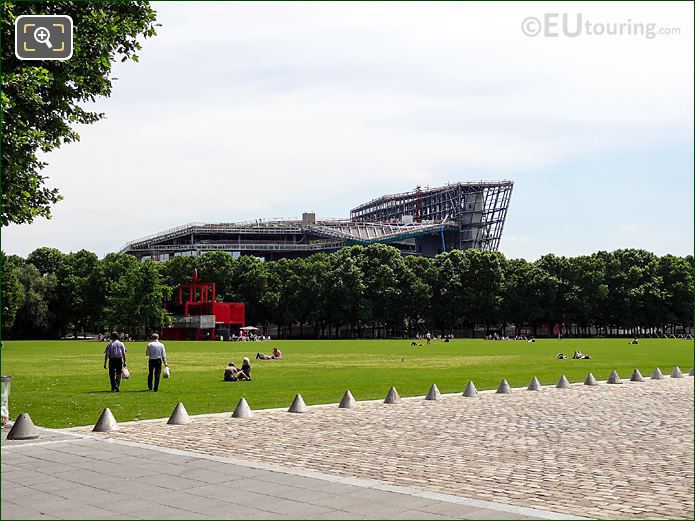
(676, 373)
(242, 410)
(179, 416)
(504, 387)
(23, 429)
(636, 376)
(590, 380)
(106, 422)
(433, 393)
(392, 396)
(692, 372)
(563, 383)
(535, 385)
(347, 402)
(471, 391)
(298, 405)
(657, 374)
(614, 378)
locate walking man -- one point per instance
(155, 350)
(115, 355)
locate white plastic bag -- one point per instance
(125, 374)
(166, 373)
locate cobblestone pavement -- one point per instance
(610, 451)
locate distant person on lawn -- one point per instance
(115, 355)
(277, 355)
(155, 350)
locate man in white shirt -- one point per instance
(155, 350)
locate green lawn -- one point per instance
(63, 383)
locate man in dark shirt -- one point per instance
(115, 355)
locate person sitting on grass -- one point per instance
(634, 341)
(230, 373)
(415, 344)
(578, 355)
(245, 373)
(277, 355)
(560, 356)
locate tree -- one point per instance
(344, 297)
(179, 270)
(250, 284)
(12, 291)
(484, 281)
(137, 301)
(218, 267)
(417, 290)
(46, 260)
(34, 319)
(41, 100)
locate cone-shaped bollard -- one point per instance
(590, 380)
(297, 404)
(676, 373)
(636, 376)
(179, 416)
(692, 372)
(471, 391)
(535, 385)
(392, 396)
(657, 375)
(433, 393)
(563, 383)
(347, 402)
(504, 387)
(242, 410)
(106, 422)
(614, 378)
(23, 429)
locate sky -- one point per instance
(239, 111)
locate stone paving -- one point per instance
(605, 452)
(64, 477)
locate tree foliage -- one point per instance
(42, 100)
(357, 291)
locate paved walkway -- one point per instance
(611, 451)
(61, 476)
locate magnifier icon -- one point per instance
(42, 35)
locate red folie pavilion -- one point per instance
(197, 315)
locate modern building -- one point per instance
(423, 222)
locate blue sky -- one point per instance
(239, 111)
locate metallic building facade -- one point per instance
(423, 222)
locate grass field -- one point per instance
(63, 383)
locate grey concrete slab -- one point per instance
(340, 514)
(453, 511)
(95, 479)
(173, 482)
(415, 514)
(206, 476)
(11, 511)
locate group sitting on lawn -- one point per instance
(232, 373)
(277, 355)
(578, 355)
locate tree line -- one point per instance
(355, 292)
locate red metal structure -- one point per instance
(198, 316)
